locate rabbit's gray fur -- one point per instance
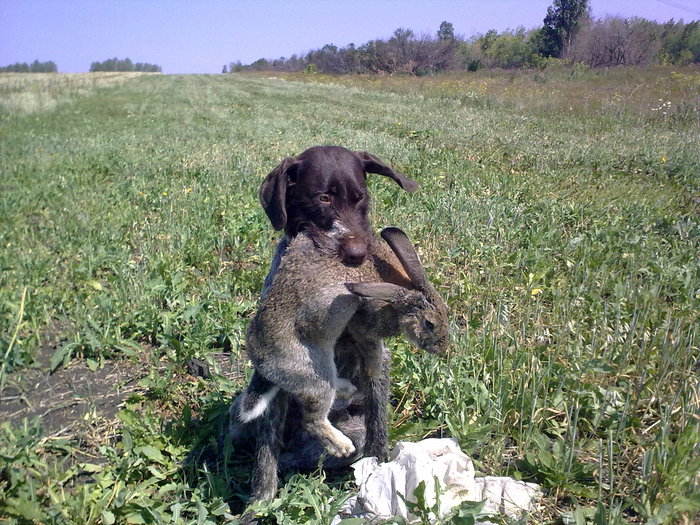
(315, 310)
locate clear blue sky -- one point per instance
(200, 36)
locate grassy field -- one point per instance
(559, 220)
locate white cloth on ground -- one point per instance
(379, 484)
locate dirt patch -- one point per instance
(74, 400)
(80, 403)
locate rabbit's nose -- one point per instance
(354, 251)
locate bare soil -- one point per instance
(73, 401)
(77, 402)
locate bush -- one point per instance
(474, 65)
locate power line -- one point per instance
(678, 5)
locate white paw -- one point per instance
(340, 445)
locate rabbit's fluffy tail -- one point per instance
(257, 398)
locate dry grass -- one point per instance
(30, 93)
(665, 93)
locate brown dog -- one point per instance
(323, 193)
(324, 188)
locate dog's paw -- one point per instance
(344, 388)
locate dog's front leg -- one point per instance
(270, 433)
(377, 368)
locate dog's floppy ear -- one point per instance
(372, 164)
(273, 192)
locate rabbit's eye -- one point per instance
(428, 325)
(324, 197)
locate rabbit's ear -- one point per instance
(407, 255)
(384, 291)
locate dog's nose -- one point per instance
(354, 251)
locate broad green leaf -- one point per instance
(108, 517)
(151, 453)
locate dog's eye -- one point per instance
(324, 197)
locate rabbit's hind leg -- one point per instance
(335, 442)
(316, 404)
(313, 384)
(316, 401)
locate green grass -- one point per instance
(566, 243)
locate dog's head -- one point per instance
(323, 190)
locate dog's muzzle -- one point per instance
(353, 250)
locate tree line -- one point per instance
(34, 67)
(568, 33)
(114, 64)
